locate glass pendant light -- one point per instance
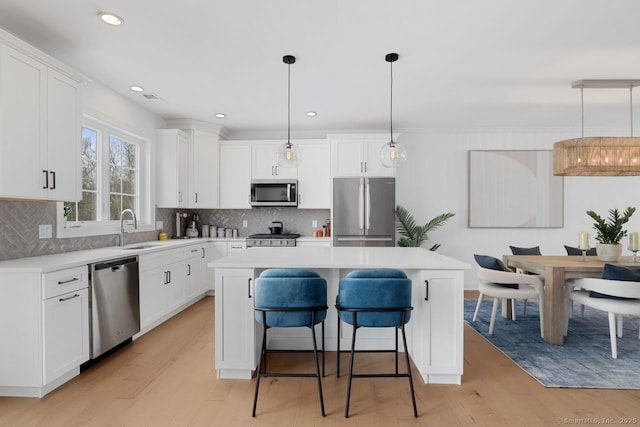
(392, 154)
(288, 155)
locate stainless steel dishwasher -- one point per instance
(114, 303)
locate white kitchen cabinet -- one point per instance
(45, 333)
(314, 176)
(263, 161)
(65, 311)
(235, 175)
(436, 337)
(170, 281)
(187, 169)
(194, 267)
(358, 156)
(66, 333)
(237, 351)
(162, 290)
(39, 129)
(204, 176)
(172, 168)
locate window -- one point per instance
(114, 178)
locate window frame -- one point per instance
(145, 211)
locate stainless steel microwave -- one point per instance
(274, 192)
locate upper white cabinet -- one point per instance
(235, 175)
(314, 175)
(204, 177)
(39, 128)
(187, 166)
(172, 168)
(263, 161)
(358, 155)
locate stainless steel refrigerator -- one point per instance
(364, 211)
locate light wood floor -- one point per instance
(166, 378)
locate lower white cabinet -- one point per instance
(436, 325)
(162, 287)
(170, 281)
(66, 333)
(236, 352)
(195, 264)
(44, 329)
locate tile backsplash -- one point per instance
(20, 220)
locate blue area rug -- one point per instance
(584, 361)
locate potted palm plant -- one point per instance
(610, 232)
(414, 234)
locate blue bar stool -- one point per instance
(288, 298)
(376, 298)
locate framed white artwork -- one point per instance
(514, 189)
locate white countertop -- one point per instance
(340, 257)
(47, 263)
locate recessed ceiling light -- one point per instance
(136, 88)
(221, 115)
(111, 18)
(311, 114)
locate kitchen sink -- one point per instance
(140, 247)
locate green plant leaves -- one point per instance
(413, 235)
(610, 231)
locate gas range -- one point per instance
(272, 240)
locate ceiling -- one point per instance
(463, 63)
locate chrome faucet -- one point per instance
(135, 224)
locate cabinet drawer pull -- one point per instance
(426, 289)
(53, 180)
(204, 252)
(249, 288)
(64, 282)
(68, 298)
(188, 269)
(196, 197)
(46, 179)
(193, 251)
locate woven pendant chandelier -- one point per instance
(601, 155)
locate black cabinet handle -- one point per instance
(68, 298)
(64, 282)
(249, 288)
(46, 179)
(53, 179)
(188, 269)
(426, 288)
(196, 197)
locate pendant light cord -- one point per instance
(289, 107)
(391, 107)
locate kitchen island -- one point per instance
(435, 332)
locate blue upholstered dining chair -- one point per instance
(376, 298)
(287, 298)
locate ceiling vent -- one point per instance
(153, 97)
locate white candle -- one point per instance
(634, 241)
(584, 241)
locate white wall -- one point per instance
(435, 180)
(107, 105)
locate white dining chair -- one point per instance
(579, 291)
(495, 284)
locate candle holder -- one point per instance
(584, 255)
(634, 259)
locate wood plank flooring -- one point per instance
(167, 378)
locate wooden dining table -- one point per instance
(556, 270)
